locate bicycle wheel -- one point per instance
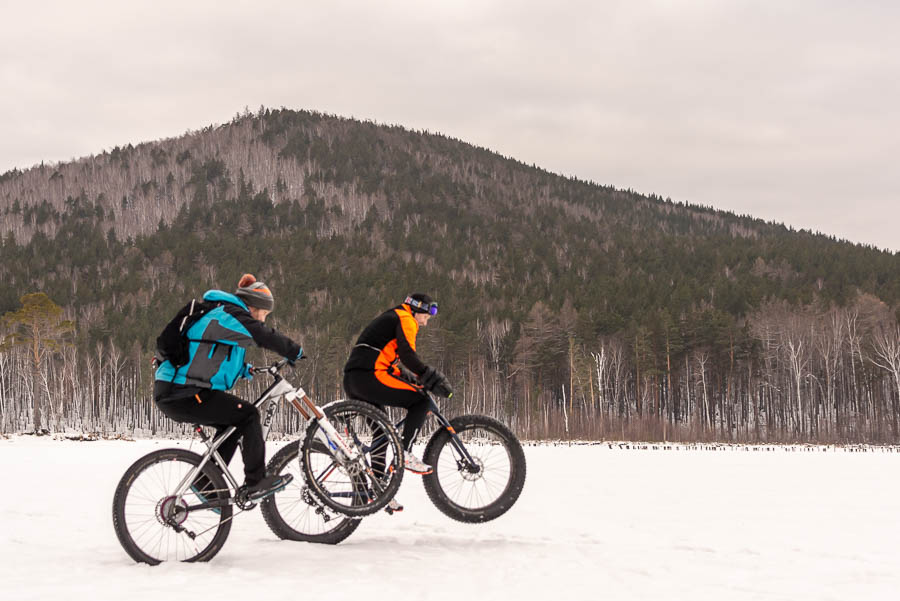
(479, 495)
(294, 514)
(153, 526)
(359, 487)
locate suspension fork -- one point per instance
(302, 403)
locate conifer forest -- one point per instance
(568, 309)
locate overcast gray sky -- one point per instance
(784, 110)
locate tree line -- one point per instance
(829, 376)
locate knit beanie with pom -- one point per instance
(255, 294)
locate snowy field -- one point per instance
(593, 523)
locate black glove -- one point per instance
(406, 374)
(300, 355)
(434, 381)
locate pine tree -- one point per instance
(40, 327)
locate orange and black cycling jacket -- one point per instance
(390, 336)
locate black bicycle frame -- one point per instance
(454, 438)
(469, 465)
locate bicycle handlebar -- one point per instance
(271, 370)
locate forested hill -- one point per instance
(566, 307)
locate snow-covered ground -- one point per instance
(593, 523)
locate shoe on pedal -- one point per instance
(393, 507)
(202, 488)
(269, 485)
(416, 465)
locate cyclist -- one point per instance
(196, 392)
(373, 372)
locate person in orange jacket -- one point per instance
(372, 372)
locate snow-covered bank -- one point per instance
(594, 522)
(629, 445)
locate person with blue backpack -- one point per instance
(200, 360)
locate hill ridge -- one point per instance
(545, 282)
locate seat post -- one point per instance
(201, 432)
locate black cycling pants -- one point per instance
(222, 410)
(365, 386)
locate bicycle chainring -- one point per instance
(242, 501)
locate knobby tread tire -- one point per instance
(514, 485)
(343, 528)
(120, 525)
(371, 412)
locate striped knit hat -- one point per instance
(255, 294)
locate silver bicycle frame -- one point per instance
(270, 398)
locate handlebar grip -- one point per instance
(272, 369)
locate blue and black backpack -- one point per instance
(172, 343)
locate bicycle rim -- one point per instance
(475, 491)
(354, 489)
(482, 493)
(153, 526)
(294, 513)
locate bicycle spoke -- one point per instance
(474, 490)
(364, 484)
(154, 524)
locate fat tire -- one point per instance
(310, 439)
(343, 526)
(515, 483)
(120, 524)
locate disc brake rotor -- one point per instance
(470, 475)
(354, 469)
